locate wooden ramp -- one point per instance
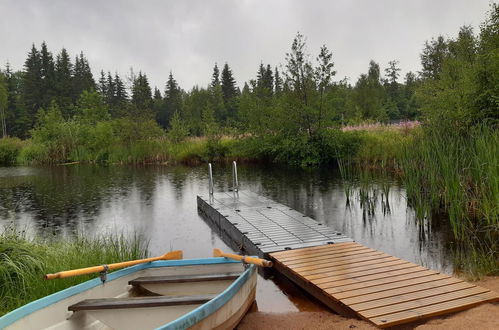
(348, 277)
(382, 289)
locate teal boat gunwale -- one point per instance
(44, 302)
(198, 314)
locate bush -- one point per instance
(9, 150)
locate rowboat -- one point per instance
(211, 293)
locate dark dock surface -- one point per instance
(346, 276)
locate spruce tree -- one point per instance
(277, 82)
(63, 79)
(141, 95)
(110, 95)
(102, 84)
(83, 79)
(229, 87)
(4, 103)
(13, 115)
(121, 95)
(47, 72)
(215, 77)
(32, 92)
(230, 92)
(268, 79)
(172, 101)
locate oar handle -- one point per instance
(245, 259)
(173, 255)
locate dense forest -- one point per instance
(48, 81)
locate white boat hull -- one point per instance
(223, 312)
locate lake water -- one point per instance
(160, 203)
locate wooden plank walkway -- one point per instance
(379, 288)
(346, 276)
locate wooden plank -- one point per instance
(364, 304)
(324, 257)
(433, 310)
(355, 278)
(325, 252)
(416, 284)
(183, 278)
(315, 291)
(139, 302)
(346, 263)
(331, 274)
(353, 269)
(373, 280)
(391, 309)
(314, 249)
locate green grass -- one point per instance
(24, 261)
(9, 150)
(447, 176)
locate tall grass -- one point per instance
(9, 150)
(446, 176)
(458, 175)
(24, 261)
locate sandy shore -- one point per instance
(481, 317)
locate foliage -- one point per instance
(24, 261)
(178, 130)
(9, 150)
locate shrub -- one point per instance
(9, 150)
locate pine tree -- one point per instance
(4, 103)
(83, 79)
(63, 79)
(277, 82)
(229, 87)
(47, 72)
(110, 95)
(121, 95)
(230, 92)
(268, 79)
(32, 92)
(215, 77)
(102, 85)
(323, 75)
(13, 115)
(395, 103)
(172, 101)
(141, 95)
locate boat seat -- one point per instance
(183, 278)
(138, 302)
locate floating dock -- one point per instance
(346, 276)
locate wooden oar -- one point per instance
(104, 268)
(246, 259)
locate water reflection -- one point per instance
(160, 202)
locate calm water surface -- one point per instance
(160, 202)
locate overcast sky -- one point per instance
(188, 37)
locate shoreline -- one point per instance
(479, 317)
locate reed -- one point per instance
(24, 261)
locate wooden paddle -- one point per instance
(104, 268)
(245, 259)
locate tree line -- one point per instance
(300, 96)
(46, 79)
